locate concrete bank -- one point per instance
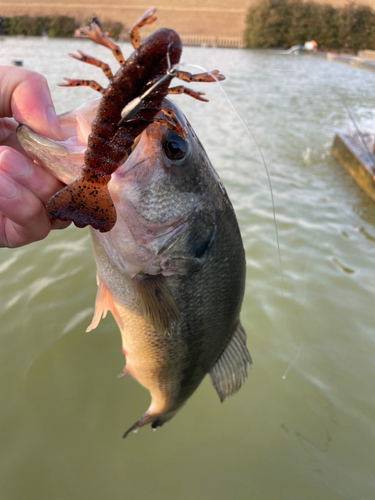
(356, 154)
(362, 60)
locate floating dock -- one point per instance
(356, 153)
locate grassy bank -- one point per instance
(284, 23)
(53, 26)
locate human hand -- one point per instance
(25, 187)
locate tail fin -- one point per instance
(85, 203)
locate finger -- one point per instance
(30, 175)
(8, 126)
(24, 217)
(26, 96)
(8, 136)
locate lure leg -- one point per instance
(82, 83)
(184, 90)
(201, 77)
(172, 126)
(146, 18)
(95, 62)
(94, 33)
(171, 121)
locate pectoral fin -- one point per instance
(156, 302)
(230, 371)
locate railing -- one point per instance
(213, 41)
(203, 40)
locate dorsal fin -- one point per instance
(156, 302)
(230, 370)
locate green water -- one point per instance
(303, 425)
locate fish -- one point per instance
(172, 269)
(168, 250)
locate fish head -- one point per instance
(162, 183)
(155, 190)
(161, 178)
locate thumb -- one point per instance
(25, 96)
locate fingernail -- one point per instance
(7, 188)
(13, 163)
(53, 122)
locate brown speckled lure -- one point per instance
(129, 104)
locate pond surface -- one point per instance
(303, 425)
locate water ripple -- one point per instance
(312, 432)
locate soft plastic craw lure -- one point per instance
(129, 104)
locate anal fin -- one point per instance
(230, 371)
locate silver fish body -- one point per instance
(172, 270)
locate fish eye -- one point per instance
(175, 147)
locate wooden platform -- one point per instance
(356, 154)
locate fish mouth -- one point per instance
(156, 420)
(63, 159)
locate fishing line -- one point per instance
(292, 362)
(263, 160)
